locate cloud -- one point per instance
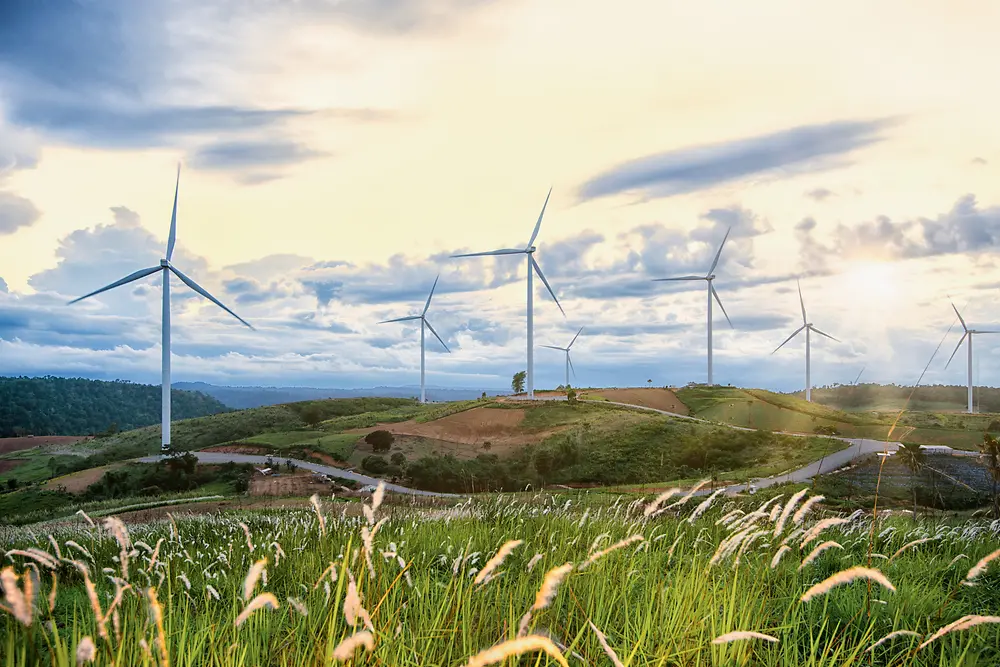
(16, 212)
(241, 155)
(819, 194)
(979, 161)
(801, 149)
(3, 286)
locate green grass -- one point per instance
(659, 602)
(282, 439)
(35, 468)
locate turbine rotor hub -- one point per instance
(164, 263)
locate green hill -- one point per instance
(881, 397)
(75, 406)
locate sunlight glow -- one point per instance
(868, 279)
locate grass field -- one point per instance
(658, 589)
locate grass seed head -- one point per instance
(345, 650)
(815, 553)
(743, 635)
(608, 651)
(250, 582)
(492, 564)
(85, 651)
(846, 577)
(891, 636)
(263, 600)
(516, 647)
(981, 566)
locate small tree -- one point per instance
(312, 414)
(398, 459)
(571, 395)
(517, 383)
(912, 456)
(381, 440)
(990, 449)
(375, 464)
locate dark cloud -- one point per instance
(801, 149)
(249, 291)
(16, 212)
(819, 194)
(255, 153)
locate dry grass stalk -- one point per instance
(892, 635)
(689, 495)
(815, 553)
(246, 531)
(378, 496)
(786, 512)
(819, 528)
(345, 649)
(353, 609)
(117, 528)
(550, 586)
(253, 575)
(263, 600)
(515, 647)
(492, 564)
(534, 561)
(156, 554)
(742, 635)
(909, 545)
(981, 566)
(44, 558)
(659, 500)
(608, 651)
(156, 612)
(314, 499)
(963, 623)
(703, 506)
(85, 651)
(782, 550)
(846, 577)
(87, 518)
(297, 605)
(614, 547)
(800, 515)
(18, 605)
(95, 604)
(52, 592)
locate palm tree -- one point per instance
(913, 458)
(990, 449)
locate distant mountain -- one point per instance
(75, 406)
(255, 397)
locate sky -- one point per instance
(335, 153)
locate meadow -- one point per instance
(587, 579)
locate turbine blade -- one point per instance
(401, 319)
(538, 270)
(570, 360)
(433, 287)
(172, 238)
(436, 335)
(859, 374)
(956, 349)
(538, 225)
(801, 301)
(202, 291)
(502, 251)
(553, 347)
(719, 254)
(574, 338)
(824, 334)
(719, 301)
(959, 317)
(142, 273)
(661, 280)
(789, 338)
(991, 332)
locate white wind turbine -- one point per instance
(708, 278)
(807, 326)
(533, 267)
(165, 268)
(569, 362)
(969, 333)
(423, 322)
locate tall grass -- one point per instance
(660, 589)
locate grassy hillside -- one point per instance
(931, 398)
(74, 406)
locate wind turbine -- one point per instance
(708, 278)
(807, 326)
(528, 250)
(969, 333)
(569, 363)
(165, 268)
(423, 322)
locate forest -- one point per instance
(75, 406)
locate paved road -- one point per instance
(225, 457)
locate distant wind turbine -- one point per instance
(165, 268)
(859, 374)
(708, 278)
(969, 333)
(807, 326)
(423, 322)
(569, 362)
(532, 268)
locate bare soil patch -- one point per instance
(324, 458)
(77, 482)
(648, 397)
(238, 449)
(299, 483)
(17, 444)
(472, 427)
(9, 464)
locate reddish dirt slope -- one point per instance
(472, 427)
(654, 397)
(17, 444)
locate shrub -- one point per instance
(571, 395)
(398, 459)
(312, 414)
(381, 441)
(375, 464)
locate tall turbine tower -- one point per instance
(807, 327)
(969, 333)
(165, 268)
(423, 322)
(708, 278)
(533, 267)
(569, 363)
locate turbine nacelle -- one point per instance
(165, 264)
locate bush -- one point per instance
(398, 459)
(571, 395)
(375, 464)
(381, 441)
(312, 414)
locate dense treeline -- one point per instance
(930, 397)
(75, 406)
